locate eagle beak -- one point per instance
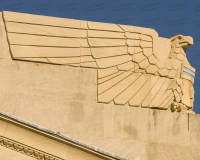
(186, 42)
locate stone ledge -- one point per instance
(60, 135)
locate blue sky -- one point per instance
(168, 18)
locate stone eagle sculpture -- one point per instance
(135, 66)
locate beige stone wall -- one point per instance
(63, 99)
(8, 154)
(32, 142)
(133, 62)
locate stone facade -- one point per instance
(135, 66)
(110, 86)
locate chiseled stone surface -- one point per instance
(56, 113)
(145, 124)
(158, 151)
(63, 99)
(27, 132)
(131, 149)
(1, 38)
(194, 127)
(100, 46)
(36, 79)
(39, 142)
(26, 137)
(8, 154)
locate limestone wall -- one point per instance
(63, 98)
(20, 139)
(135, 66)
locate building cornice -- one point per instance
(27, 150)
(56, 136)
